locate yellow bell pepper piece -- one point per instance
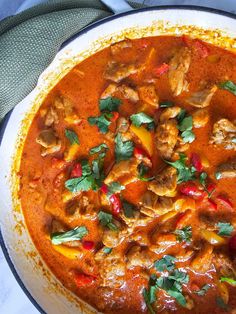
(168, 216)
(212, 237)
(69, 252)
(145, 137)
(72, 152)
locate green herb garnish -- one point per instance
(72, 136)
(97, 149)
(167, 262)
(109, 104)
(123, 149)
(129, 209)
(114, 187)
(228, 280)
(220, 302)
(143, 170)
(106, 220)
(185, 126)
(72, 235)
(225, 229)
(142, 118)
(203, 290)
(166, 104)
(218, 175)
(107, 250)
(184, 234)
(229, 86)
(102, 121)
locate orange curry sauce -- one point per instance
(115, 283)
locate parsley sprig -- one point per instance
(123, 149)
(224, 229)
(185, 126)
(72, 235)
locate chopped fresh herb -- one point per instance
(165, 263)
(166, 104)
(151, 126)
(225, 229)
(72, 136)
(184, 234)
(228, 280)
(102, 121)
(181, 115)
(203, 290)
(124, 149)
(114, 187)
(185, 173)
(109, 104)
(148, 298)
(106, 220)
(62, 237)
(98, 149)
(140, 118)
(220, 302)
(143, 170)
(97, 167)
(85, 182)
(107, 250)
(229, 86)
(185, 126)
(218, 175)
(129, 209)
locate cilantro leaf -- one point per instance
(114, 187)
(228, 280)
(109, 104)
(143, 170)
(106, 220)
(102, 121)
(184, 234)
(225, 229)
(107, 250)
(123, 149)
(140, 118)
(165, 263)
(129, 209)
(72, 136)
(218, 175)
(185, 173)
(181, 115)
(185, 126)
(220, 302)
(229, 86)
(72, 235)
(203, 290)
(166, 104)
(148, 298)
(98, 149)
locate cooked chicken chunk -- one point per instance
(224, 265)
(67, 107)
(126, 91)
(117, 72)
(224, 133)
(84, 208)
(51, 117)
(112, 238)
(166, 137)
(137, 256)
(49, 141)
(118, 47)
(153, 205)
(123, 168)
(149, 95)
(202, 99)
(170, 113)
(203, 260)
(165, 182)
(179, 66)
(200, 118)
(227, 170)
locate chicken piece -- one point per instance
(67, 107)
(51, 117)
(49, 141)
(81, 209)
(166, 138)
(141, 237)
(227, 170)
(122, 125)
(165, 182)
(179, 66)
(202, 99)
(152, 205)
(118, 47)
(123, 168)
(200, 118)
(203, 260)
(189, 303)
(57, 226)
(170, 113)
(112, 270)
(136, 256)
(148, 94)
(163, 241)
(112, 238)
(224, 265)
(224, 133)
(126, 91)
(116, 72)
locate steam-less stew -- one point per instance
(128, 178)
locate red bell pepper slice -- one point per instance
(225, 201)
(88, 245)
(196, 161)
(116, 204)
(104, 188)
(160, 70)
(76, 171)
(82, 279)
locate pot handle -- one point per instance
(117, 6)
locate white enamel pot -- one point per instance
(41, 286)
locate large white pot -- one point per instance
(35, 278)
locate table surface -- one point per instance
(12, 298)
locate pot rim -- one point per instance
(3, 125)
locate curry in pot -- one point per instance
(128, 178)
